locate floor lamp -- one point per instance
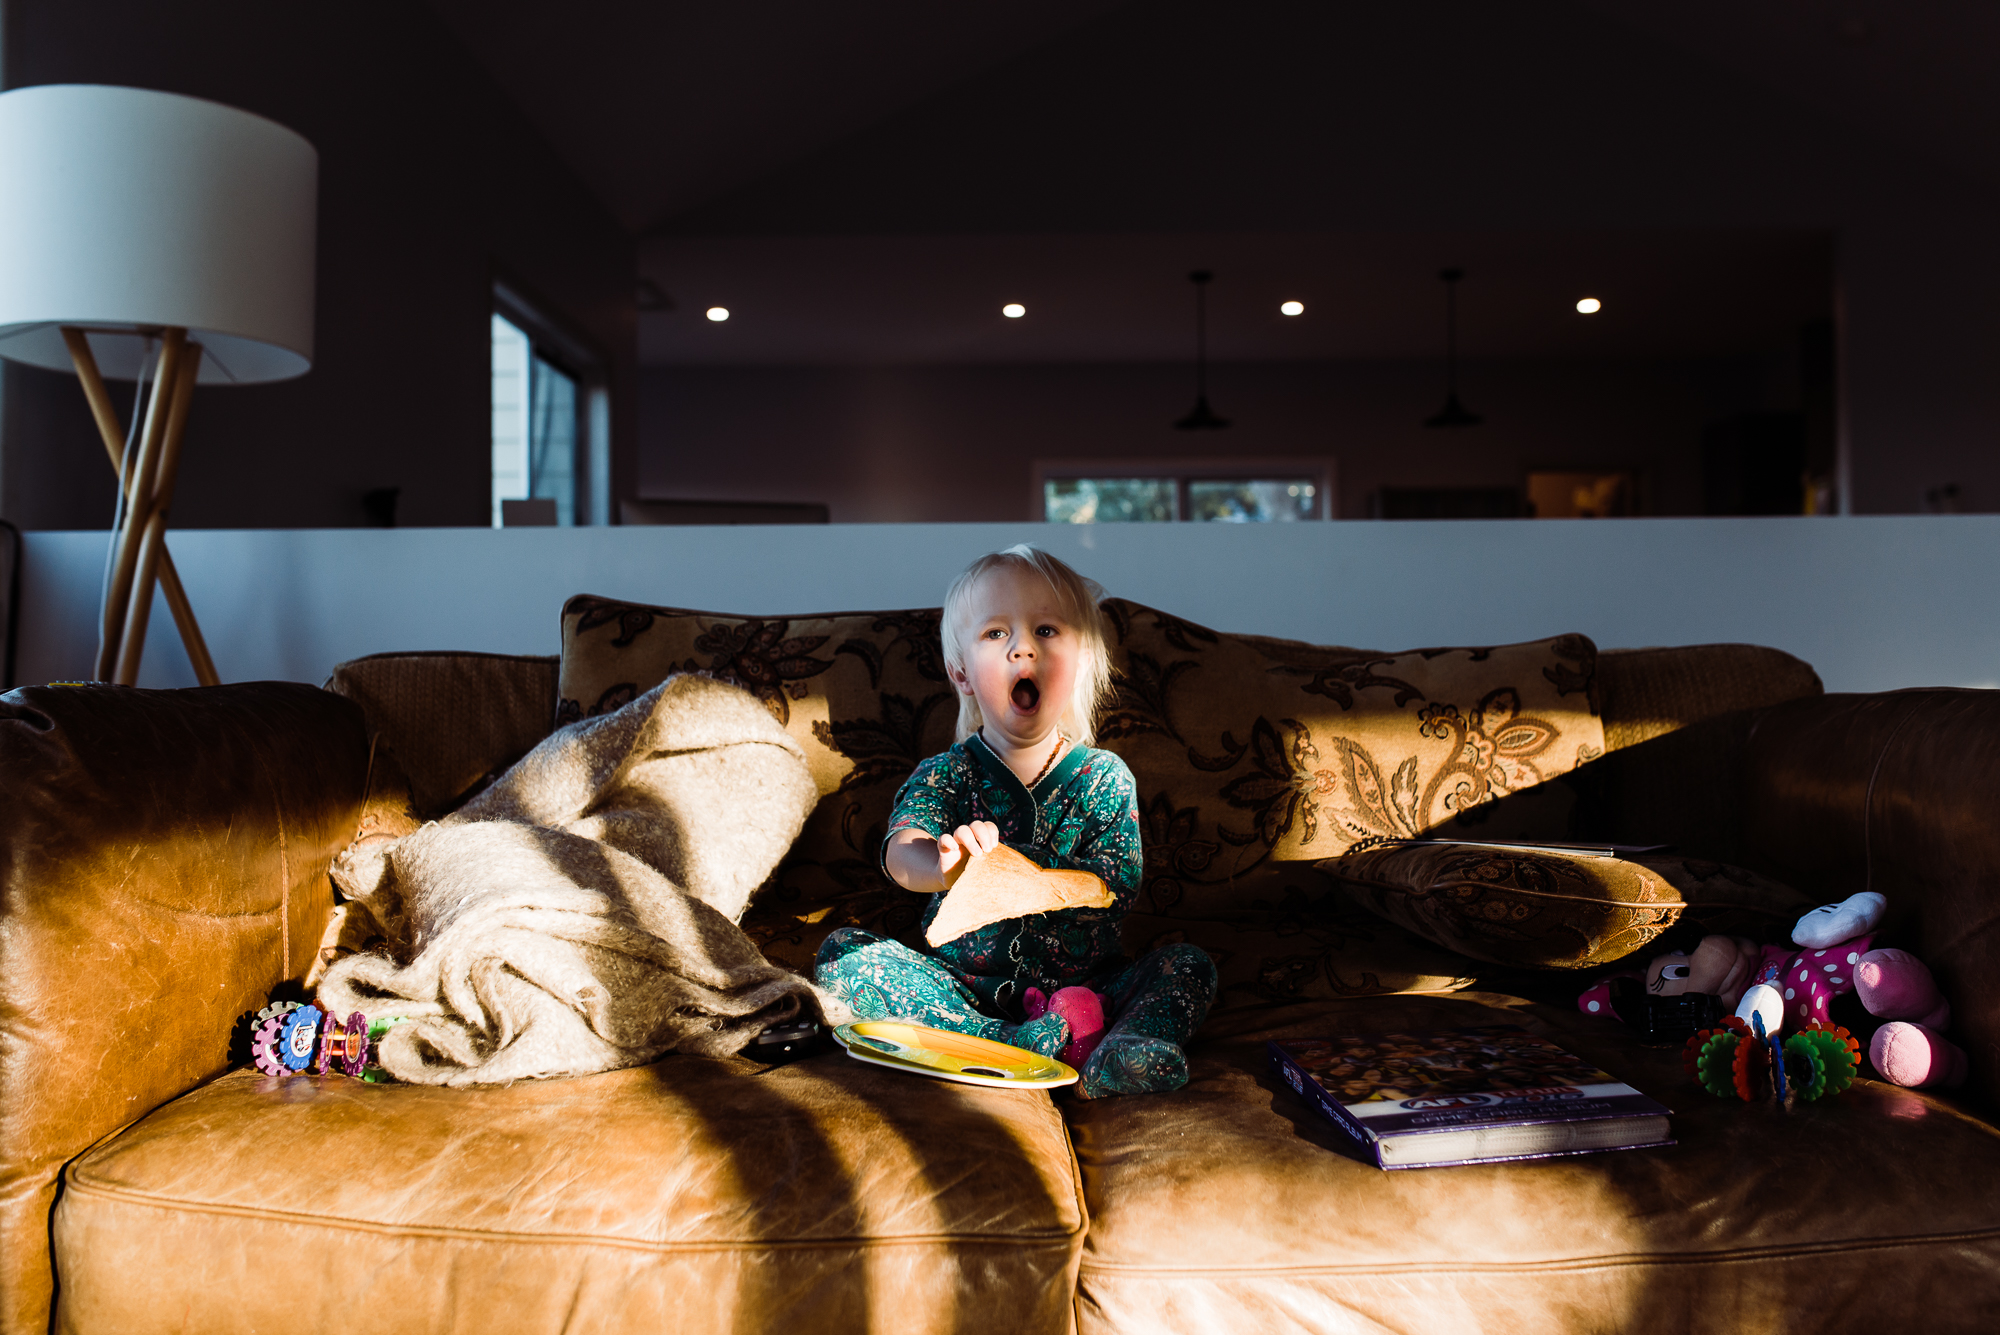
(163, 239)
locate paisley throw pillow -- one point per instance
(864, 693)
(1254, 755)
(1543, 908)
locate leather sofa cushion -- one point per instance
(1304, 943)
(1553, 910)
(1228, 1206)
(1894, 793)
(691, 1195)
(163, 867)
(1647, 693)
(452, 721)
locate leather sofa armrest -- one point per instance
(163, 866)
(1894, 793)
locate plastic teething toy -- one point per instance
(287, 1038)
(267, 1024)
(344, 1047)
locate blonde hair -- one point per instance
(1077, 598)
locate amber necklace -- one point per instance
(1061, 742)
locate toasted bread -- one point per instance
(1003, 884)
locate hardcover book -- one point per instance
(1474, 1095)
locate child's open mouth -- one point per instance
(1026, 695)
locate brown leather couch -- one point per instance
(163, 867)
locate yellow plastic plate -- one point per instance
(945, 1055)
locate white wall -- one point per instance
(1874, 603)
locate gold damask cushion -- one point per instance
(864, 693)
(1254, 756)
(1542, 908)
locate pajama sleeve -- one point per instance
(928, 800)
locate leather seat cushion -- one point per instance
(689, 1195)
(1227, 1206)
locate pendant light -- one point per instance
(1202, 418)
(1453, 413)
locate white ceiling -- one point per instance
(1920, 73)
(660, 105)
(664, 105)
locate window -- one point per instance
(1226, 491)
(1108, 500)
(551, 447)
(1258, 501)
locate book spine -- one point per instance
(1394, 1121)
(1285, 1068)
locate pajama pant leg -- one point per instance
(881, 979)
(1157, 1003)
(1165, 995)
(886, 980)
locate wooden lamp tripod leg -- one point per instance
(138, 507)
(153, 538)
(106, 416)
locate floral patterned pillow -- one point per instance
(1254, 757)
(1254, 753)
(864, 693)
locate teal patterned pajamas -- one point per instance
(1084, 815)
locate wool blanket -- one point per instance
(581, 914)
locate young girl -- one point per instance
(1024, 646)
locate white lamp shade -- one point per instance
(125, 210)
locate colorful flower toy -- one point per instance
(1742, 1060)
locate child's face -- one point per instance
(1022, 659)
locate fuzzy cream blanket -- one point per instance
(580, 915)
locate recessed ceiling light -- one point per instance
(1293, 308)
(718, 313)
(1013, 310)
(1589, 306)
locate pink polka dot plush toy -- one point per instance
(1792, 986)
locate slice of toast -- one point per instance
(1003, 884)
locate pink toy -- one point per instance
(1800, 982)
(1895, 985)
(1914, 1056)
(1811, 979)
(1910, 1050)
(1084, 1010)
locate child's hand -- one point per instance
(967, 841)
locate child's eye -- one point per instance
(1046, 632)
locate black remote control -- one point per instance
(785, 1042)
